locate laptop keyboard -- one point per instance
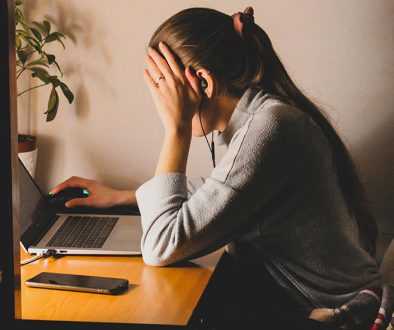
(83, 232)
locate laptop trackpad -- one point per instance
(126, 235)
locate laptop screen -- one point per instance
(34, 212)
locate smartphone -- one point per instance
(82, 283)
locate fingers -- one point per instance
(153, 69)
(78, 202)
(169, 56)
(149, 80)
(158, 65)
(167, 65)
(160, 62)
(73, 182)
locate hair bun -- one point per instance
(248, 15)
(243, 19)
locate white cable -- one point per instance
(27, 261)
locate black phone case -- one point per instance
(80, 283)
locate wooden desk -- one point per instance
(158, 295)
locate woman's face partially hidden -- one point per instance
(215, 115)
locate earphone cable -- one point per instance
(213, 151)
(212, 146)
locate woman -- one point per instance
(284, 198)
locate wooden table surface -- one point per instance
(157, 295)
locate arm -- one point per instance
(176, 98)
(177, 226)
(100, 196)
(174, 152)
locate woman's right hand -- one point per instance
(100, 195)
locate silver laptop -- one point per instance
(44, 228)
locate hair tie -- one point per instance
(243, 19)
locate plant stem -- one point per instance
(20, 72)
(32, 88)
(27, 55)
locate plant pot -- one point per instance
(27, 152)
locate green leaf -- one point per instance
(54, 80)
(40, 26)
(21, 32)
(38, 62)
(47, 26)
(22, 56)
(18, 14)
(44, 27)
(18, 2)
(31, 39)
(51, 58)
(41, 74)
(51, 37)
(67, 93)
(18, 42)
(36, 33)
(53, 104)
(34, 43)
(39, 70)
(55, 36)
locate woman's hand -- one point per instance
(100, 196)
(175, 92)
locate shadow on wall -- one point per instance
(99, 159)
(80, 26)
(82, 29)
(51, 153)
(375, 159)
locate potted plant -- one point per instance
(31, 42)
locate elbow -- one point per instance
(159, 254)
(164, 243)
(152, 258)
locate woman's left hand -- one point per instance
(176, 92)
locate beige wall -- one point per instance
(340, 52)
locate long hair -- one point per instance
(205, 38)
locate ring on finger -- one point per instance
(158, 80)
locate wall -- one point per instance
(341, 53)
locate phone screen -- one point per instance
(95, 284)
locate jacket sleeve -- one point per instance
(176, 228)
(179, 226)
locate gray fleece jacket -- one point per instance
(274, 194)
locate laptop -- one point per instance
(69, 231)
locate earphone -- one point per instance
(203, 84)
